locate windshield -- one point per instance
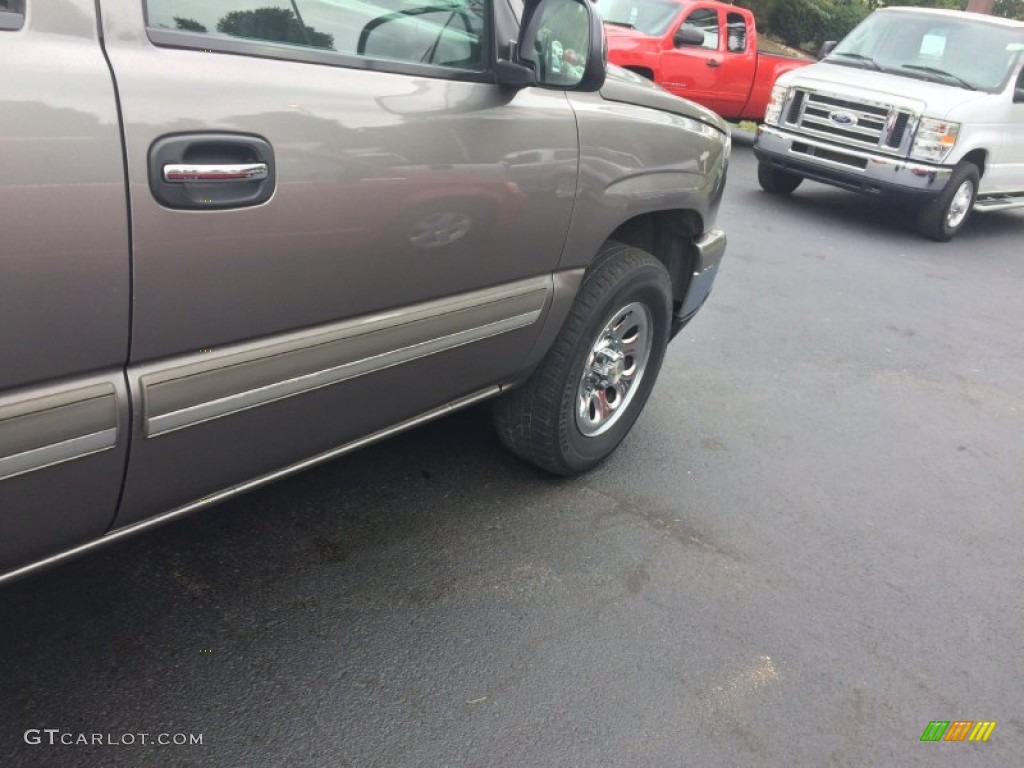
(955, 51)
(652, 17)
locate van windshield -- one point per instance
(957, 51)
(652, 17)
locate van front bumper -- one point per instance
(853, 169)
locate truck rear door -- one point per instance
(64, 282)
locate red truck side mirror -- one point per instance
(687, 35)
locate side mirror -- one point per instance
(688, 35)
(1018, 95)
(563, 45)
(826, 48)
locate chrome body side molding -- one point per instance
(44, 431)
(235, 380)
(249, 485)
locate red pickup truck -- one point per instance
(702, 50)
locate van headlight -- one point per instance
(775, 104)
(934, 140)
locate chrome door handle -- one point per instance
(182, 172)
(211, 171)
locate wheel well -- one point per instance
(978, 157)
(642, 71)
(669, 237)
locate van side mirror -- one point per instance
(826, 48)
(1018, 95)
(688, 35)
(562, 43)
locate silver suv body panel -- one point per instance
(413, 243)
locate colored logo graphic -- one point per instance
(958, 730)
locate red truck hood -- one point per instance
(624, 38)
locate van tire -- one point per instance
(775, 180)
(947, 214)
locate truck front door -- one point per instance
(719, 71)
(376, 250)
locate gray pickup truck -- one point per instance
(244, 236)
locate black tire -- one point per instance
(947, 214)
(776, 180)
(625, 288)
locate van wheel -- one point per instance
(776, 180)
(946, 215)
(584, 398)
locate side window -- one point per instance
(445, 33)
(12, 14)
(706, 20)
(736, 33)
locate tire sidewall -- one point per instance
(932, 219)
(957, 181)
(775, 180)
(647, 286)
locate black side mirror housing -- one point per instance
(826, 48)
(511, 72)
(1018, 95)
(687, 35)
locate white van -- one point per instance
(924, 106)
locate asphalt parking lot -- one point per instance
(808, 549)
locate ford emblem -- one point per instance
(842, 118)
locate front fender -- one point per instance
(636, 160)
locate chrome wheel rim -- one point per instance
(960, 205)
(613, 369)
(439, 229)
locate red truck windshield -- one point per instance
(652, 17)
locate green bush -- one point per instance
(842, 19)
(762, 10)
(954, 5)
(1012, 9)
(801, 21)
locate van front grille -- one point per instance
(860, 124)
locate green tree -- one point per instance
(843, 17)
(1011, 9)
(188, 25)
(799, 22)
(762, 9)
(957, 5)
(277, 24)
